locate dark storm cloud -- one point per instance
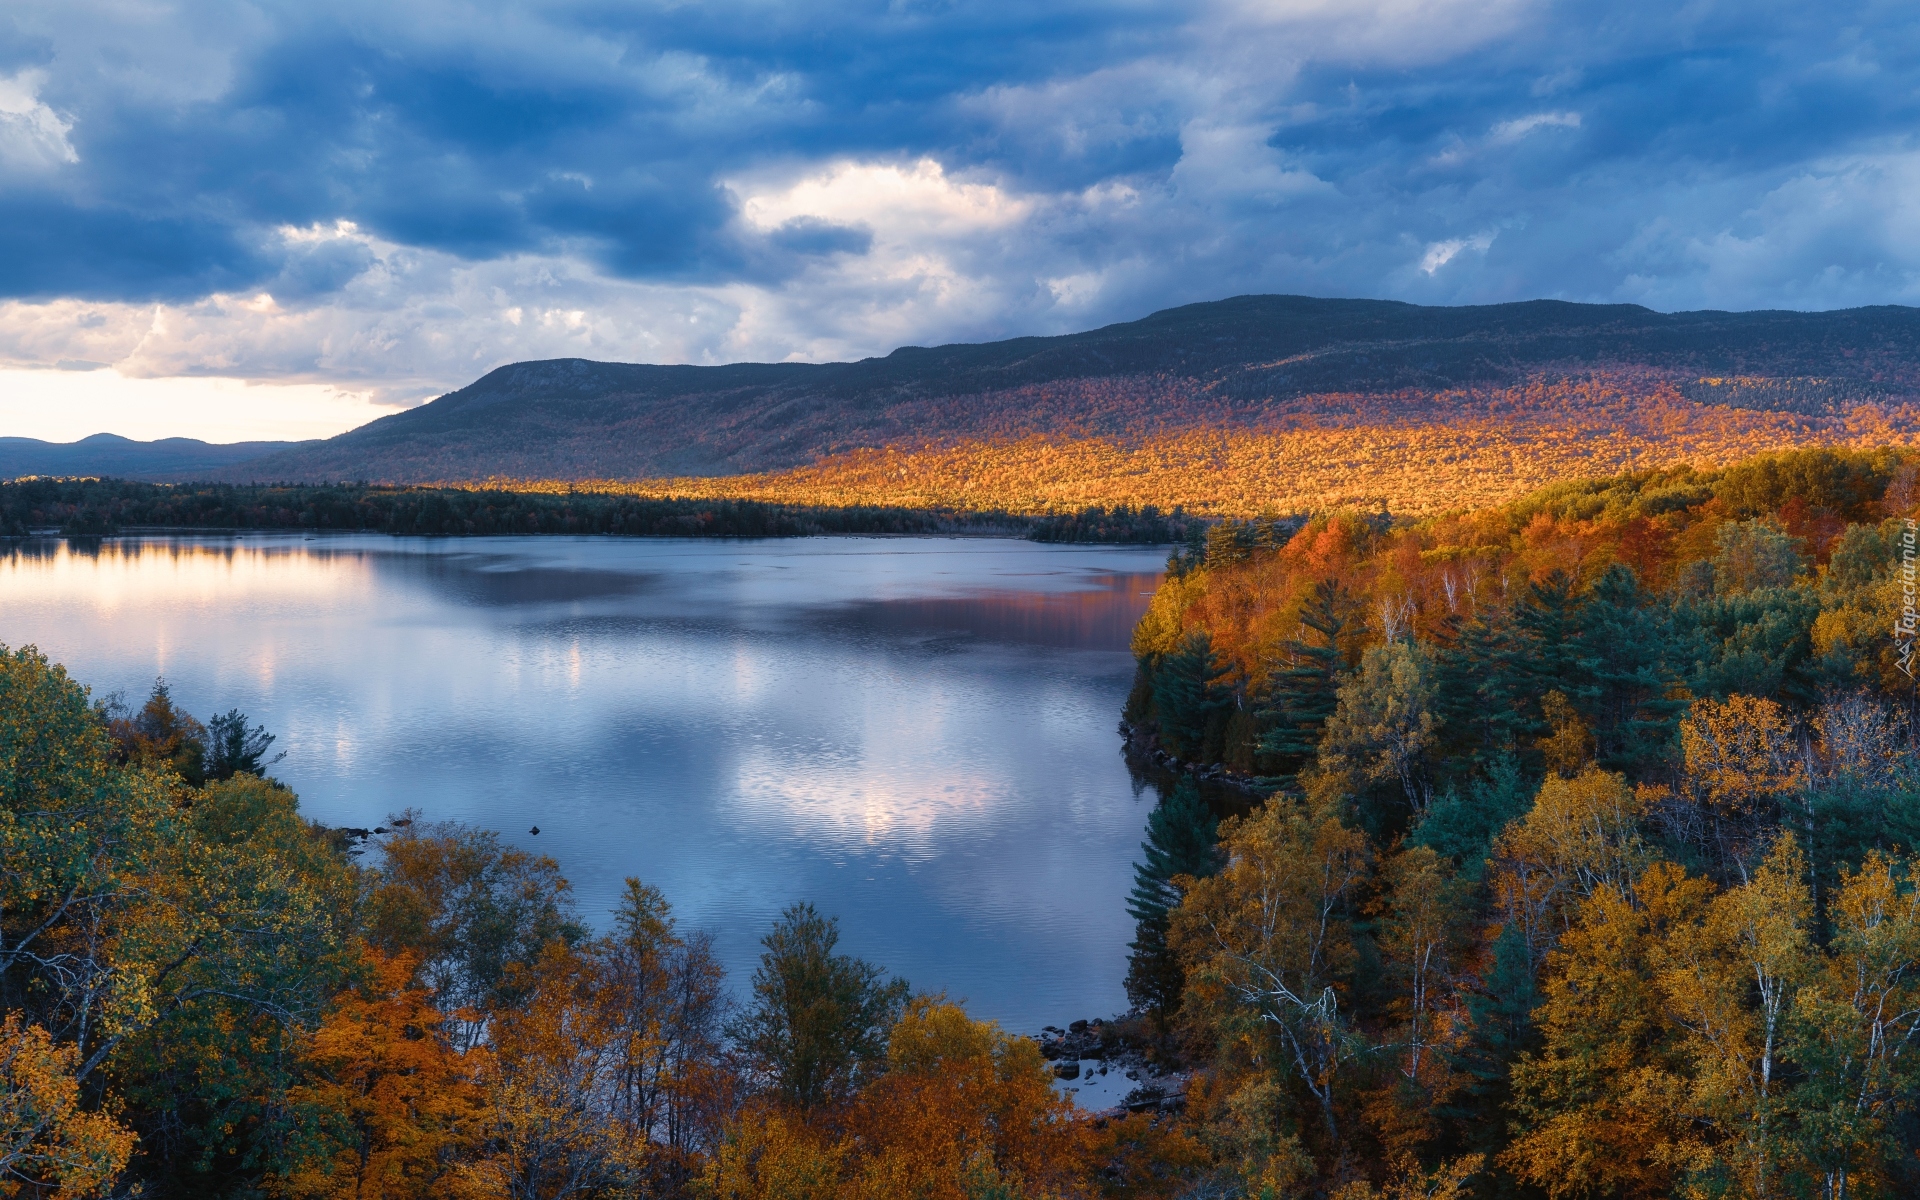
(1734, 154)
(608, 129)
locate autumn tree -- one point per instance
(1268, 945)
(161, 734)
(1385, 723)
(50, 1142)
(1742, 760)
(171, 939)
(962, 1111)
(770, 1154)
(1753, 554)
(1730, 982)
(469, 910)
(666, 992)
(1581, 835)
(1601, 1107)
(1420, 916)
(397, 1106)
(547, 1126)
(816, 1026)
(1569, 746)
(1851, 1033)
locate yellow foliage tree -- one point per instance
(1600, 1108)
(1852, 1024)
(1729, 982)
(1268, 947)
(1582, 834)
(49, 1146)
(1419, 919)
(548, 1126)
(1741, 751)
(766, 1154)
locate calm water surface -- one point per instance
(916, 734)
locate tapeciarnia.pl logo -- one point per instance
(1908, 626)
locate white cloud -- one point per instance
(1235, 163)
(1519, 127)
(1439, 254)
(898, 202)
(32, 135)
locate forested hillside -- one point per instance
(1589, 864)
(1233, 407)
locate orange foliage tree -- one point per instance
(398, 1104)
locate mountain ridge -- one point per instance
(1244, 362)
(160, 460)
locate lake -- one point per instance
(915, 734)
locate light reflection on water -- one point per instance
(916, 734)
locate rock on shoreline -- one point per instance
(1108, 1044)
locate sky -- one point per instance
(237, 219)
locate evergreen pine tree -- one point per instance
(1301, 696)
(1628, 661)
(1193, 557)
(1462, 824)
(1484, 683)
(1182, 839)
(1188, 693)
(234, 748)
(1228, 542)
(1501, 1017)
(1547, 620)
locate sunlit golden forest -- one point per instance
(1408, 452)
(1556, 848)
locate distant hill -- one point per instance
(124, 458)
(1297, 387)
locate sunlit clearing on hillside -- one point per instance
(1413, 469)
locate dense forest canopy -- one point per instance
(1573, 855)
(1585, 867)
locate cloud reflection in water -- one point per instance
(915, 734)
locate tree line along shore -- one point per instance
(104, 507)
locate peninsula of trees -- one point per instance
(1587, 864)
